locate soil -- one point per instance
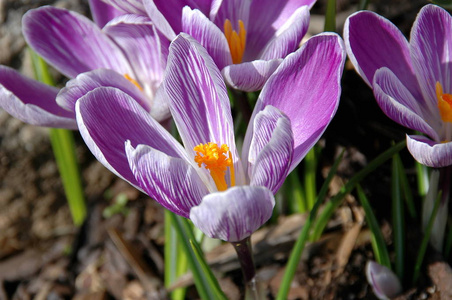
(44, 256)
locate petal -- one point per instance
(129, 6)
(143, 47)
(102, 12)
(308, 80)
(232, 10)
(385, 46)
(86, 82)
(171, 181)
(234, 214)
(107, 117)
(271, 149)
(431, 46)
(268, 16)
(172, 14)
(198, 98)
(31, 101)
(384, 283)
(428, 152)
(250, 76)
(287, 39)
(159, 20)
(207, 34)
(398, 104)
(70, 42)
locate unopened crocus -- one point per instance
(127, 53)
(246, 39)
(226, 195)
(412, 84)
(385, 284)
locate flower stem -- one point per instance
(245, 255)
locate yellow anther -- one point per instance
(127, 76)
(444, 103)
(236, 41)
(216, 160)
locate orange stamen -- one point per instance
(236, 41)
(216, 160)
(444, 103)
(127, 76)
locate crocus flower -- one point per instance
(226, 195)
(385, 284)
(410, 80)
(126, 53)
(246, 39)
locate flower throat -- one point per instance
(217, 160)
(236, 41)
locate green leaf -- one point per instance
(378, 242)
(334, 203)
(398, 219)
(330, 16)
(206, 283)
(406, 189)
(63, 145)
(304, 234)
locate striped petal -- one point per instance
(171, 181)
(70, 42)
(31, 101)
(234, 214)
(428, 152)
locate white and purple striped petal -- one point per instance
(171, 181)
(428, 152)
(31, 101)
(271, 149)
(234, 214)
(384, 46)
(198, 98)
(398, 104)
(70, 42)
(86, 82)
(431, 53)
(288, 37)
(102, 12)
(250, 76)
(143, 48)
(315, 98)
(107, 118)
(196, 24)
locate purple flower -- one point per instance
(385, 284)
(127, 53)
(410, 80)
(226, 195)
(246, 39)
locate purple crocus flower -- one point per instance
(410, 80)
(127, 53)
(226, 195)
(246, 39)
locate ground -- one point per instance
(44, 256)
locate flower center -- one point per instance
(216, 160)
(236, 41)
(127, 76)
(444, 103)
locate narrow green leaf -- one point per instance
(63, 145)
(310, 163)
(330, 16)
(363, 4)
(293, 193)
(425, 240)
(304, 234)
(175, 258)
(378, 242)
(398, 220)
(334, 203)
(206, 283)
(422, 179)
(406, 189)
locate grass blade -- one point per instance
(206, 283)
(63, 146)
(398, 220)
(304, 234)
(330, 16)
(310, 164)
(378, 242)
(334, 203)
(406, 189)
